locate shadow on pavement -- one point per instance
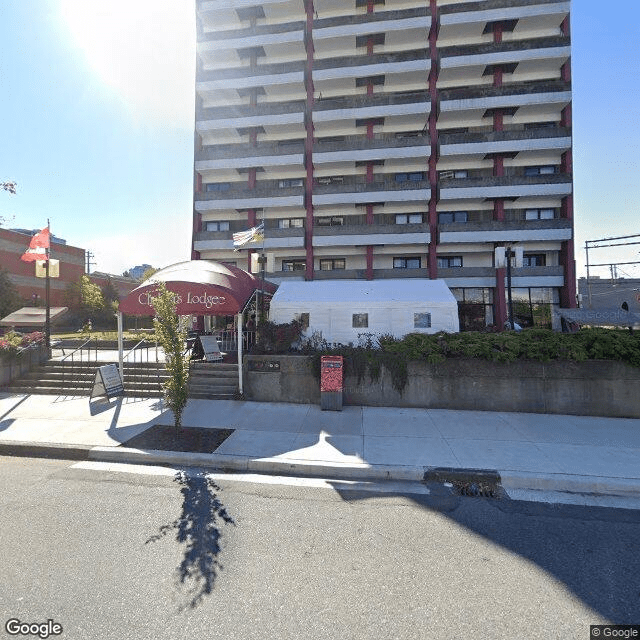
(198, 529)
(594, 551)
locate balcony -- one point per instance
(375, 106)
(497, 231)
(359, 149)
(509, 95)
(239, 196)
(508, 187)
(371, 234)
(274, 239)
(357, 191)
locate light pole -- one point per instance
(508, 254)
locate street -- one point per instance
(155, 553)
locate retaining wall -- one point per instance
(16, 367)
(593, 388)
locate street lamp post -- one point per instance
(509, 253)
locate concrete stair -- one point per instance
(77, 378)
(213, 380)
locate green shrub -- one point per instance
(541, 345)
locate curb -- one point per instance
(270, 466)
(48, 450)
(584, 485)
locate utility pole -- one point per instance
(88, 255)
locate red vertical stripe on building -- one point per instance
(309, 142)
(433, 139)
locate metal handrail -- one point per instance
(72, 356)
(82, 346)
(134, 349)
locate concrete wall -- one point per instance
(596, 388)
(16, 367)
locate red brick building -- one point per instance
(72, 260)
(72, 265)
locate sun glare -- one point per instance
(143, 49)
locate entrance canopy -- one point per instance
(202, 288)
(33, 317)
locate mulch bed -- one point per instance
(190, 439)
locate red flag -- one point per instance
(37, 247)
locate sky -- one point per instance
(97, 113)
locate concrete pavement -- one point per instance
(584, 460)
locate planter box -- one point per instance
(593, 388)
(29, 358)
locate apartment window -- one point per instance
(453, 216)
(291, 182)
(407, 263)
(449, 262)
(408, 218)
(360, 320)
(332, 264)
(544, 170)
(217, 186)
(290, 223)
(421, 320)
(414, 176)
(216, 226)
(458, 174)
(330, 221)
(330, 180)
(539, 214)
(294, 265)
(534, 260)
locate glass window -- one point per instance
(461, 173)
(539, 214)
(217, 226)
(449, 262)
(534, 260)
(332, 264)
(289, 223)
(401, 177)
(294, 265)
(407, 263)
(402, 218)
(409, 218)
(217, 186)
(416, 176)
(415, 218)
(330, 221)
(421, 320)
(539, 171)
(453, 216)
(360, 320)
(303, 319)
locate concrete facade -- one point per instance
(391, 139)
(594, 388)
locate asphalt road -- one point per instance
(119, 555)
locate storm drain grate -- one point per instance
(475, 483)
(474, 489)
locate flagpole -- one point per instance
(47, 322)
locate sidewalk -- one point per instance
(577, 455)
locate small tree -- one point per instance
(171, 334)
(9, 298)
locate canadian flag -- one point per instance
(37, 247)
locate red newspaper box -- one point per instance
(331, 375)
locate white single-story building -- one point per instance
(342, 310)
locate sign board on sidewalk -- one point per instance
(108, 382)
(211, 349)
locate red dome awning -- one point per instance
(202, 287)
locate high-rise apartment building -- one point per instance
(391, 138)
